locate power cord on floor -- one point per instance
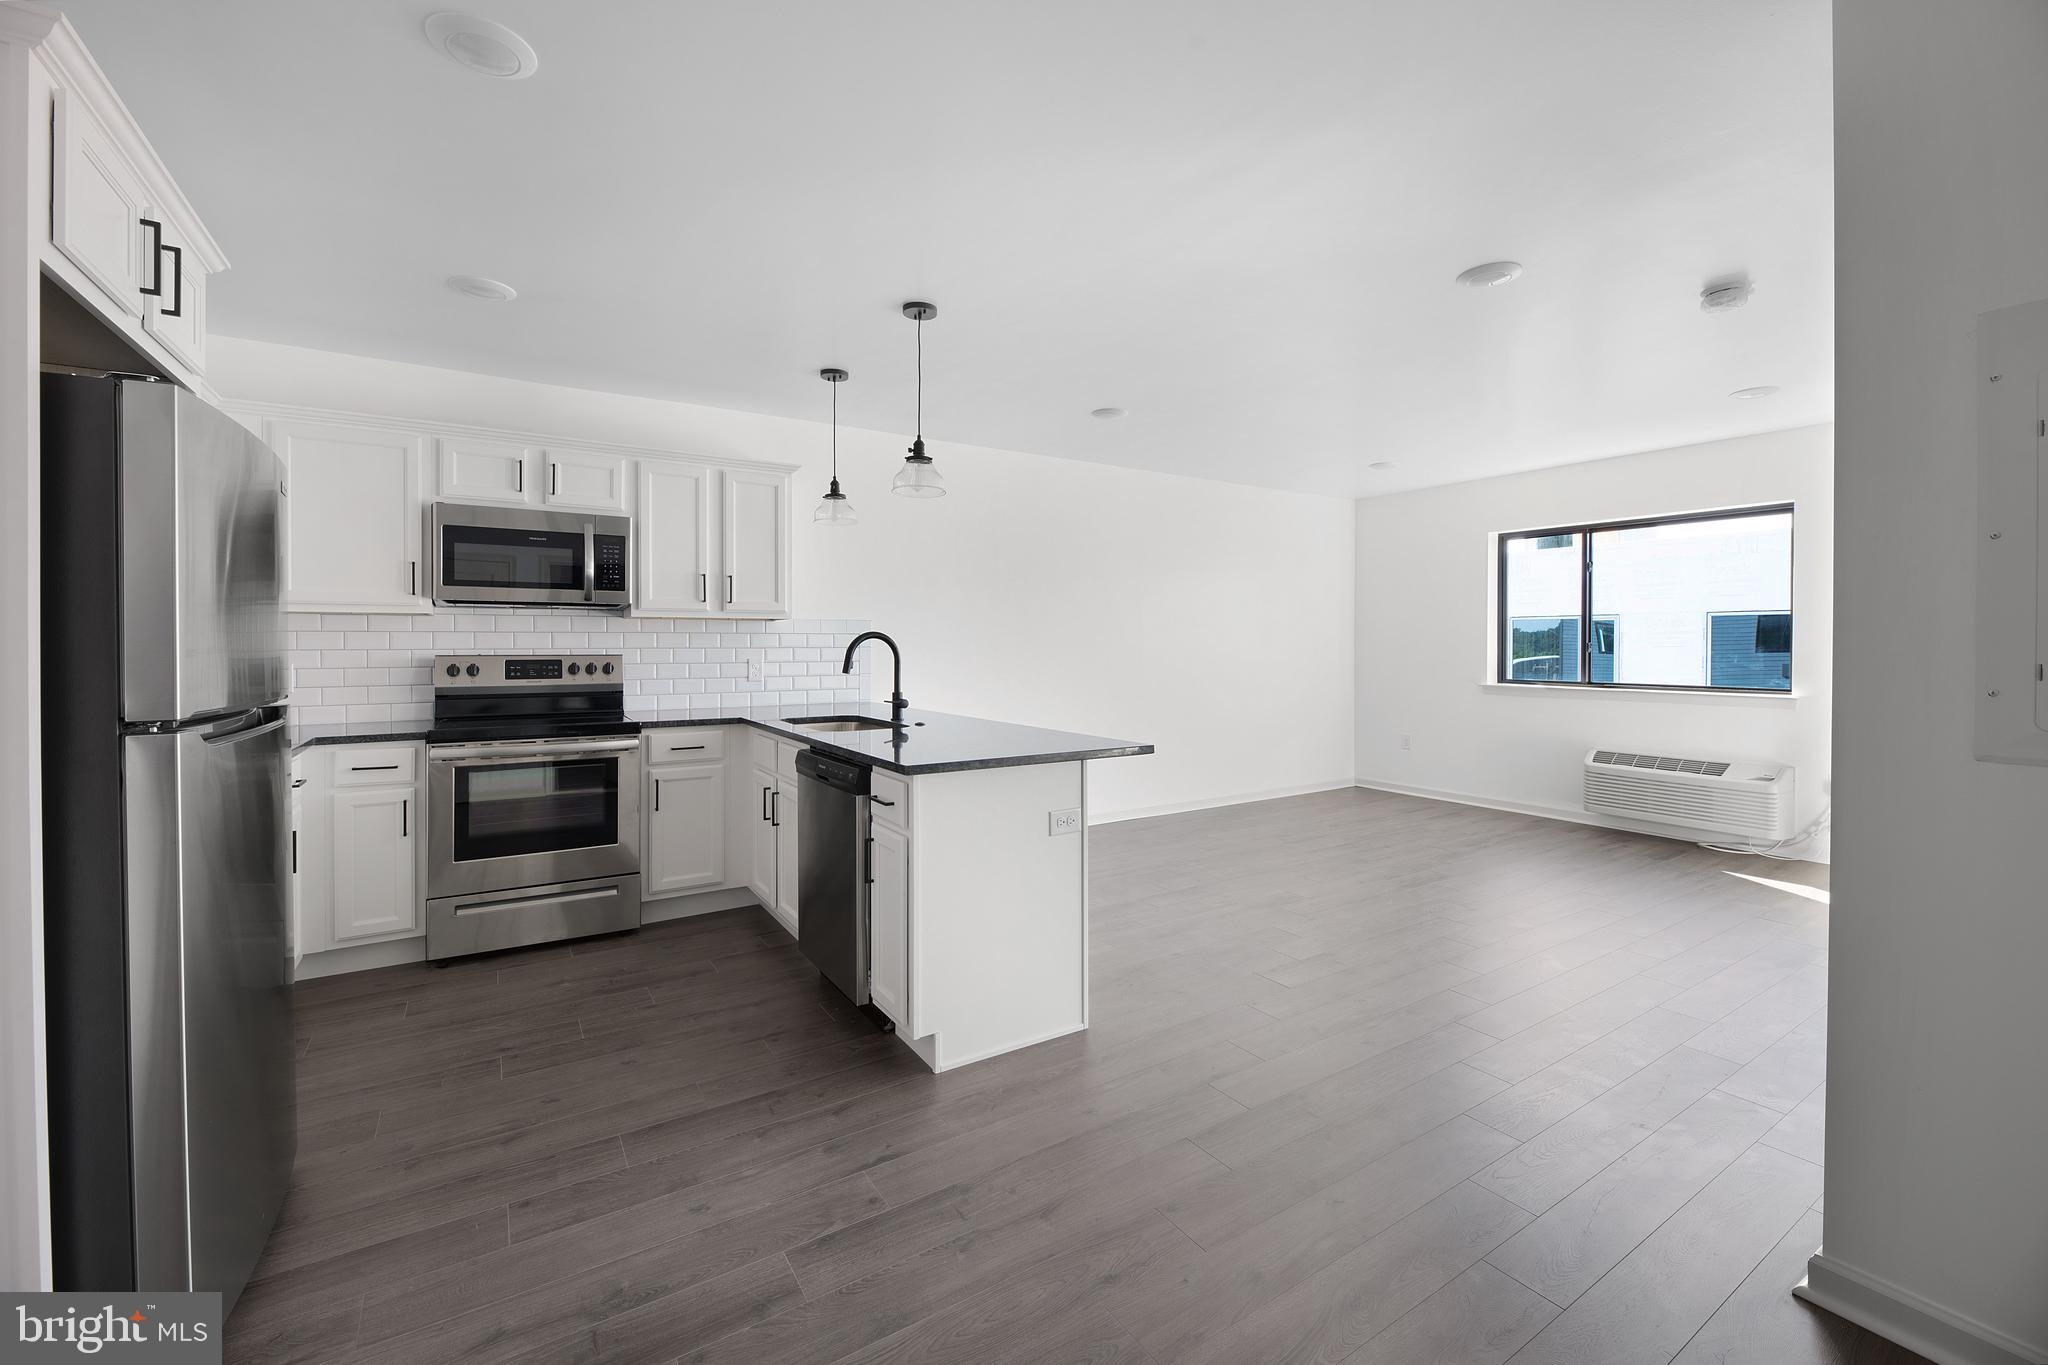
(1809, 834)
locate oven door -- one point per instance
(530, 813)
(527, 557)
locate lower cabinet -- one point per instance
(376, 883)
(684, 849)
(783, 809)
(769, 816)
(889, 922)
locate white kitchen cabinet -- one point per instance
(356, 516)
(889, 921)
(672, 540)
(754, 541)
(121, 237)
(585, 480)
(761, 859)
(176, 314)
(97, 205)
(785, 813)
(475, 470)
(374, 849)
(684, 847)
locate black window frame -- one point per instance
(1503, 646)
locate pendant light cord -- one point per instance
(920, 378)
(835, 435)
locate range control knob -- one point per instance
(607, 670)
(454, 669)
(573, 670)
(591, 668)
(472, 670)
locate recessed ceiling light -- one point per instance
(1107, 414)
(1491, 274)
(1725, 296)
(477, 287)
(487, 48)
(1759, 391)
(1381, 464)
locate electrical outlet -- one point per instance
(754, 667)
(1405, 745)
(1063, 821)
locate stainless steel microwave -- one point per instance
(530, 557)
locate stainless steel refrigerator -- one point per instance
(165, 769)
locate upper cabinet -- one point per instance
(710, 539)
(585, 480)
(754, 542)
(672, 540)
(122, 237)
(476, 469)
(713, 541)
(355, 517)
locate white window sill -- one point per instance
(1683, 696)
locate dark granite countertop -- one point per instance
(926, 742)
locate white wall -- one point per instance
(1938, 1017)
(1212, 620)
(1425, 589)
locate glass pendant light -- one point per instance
(834, 510)
(919, 478)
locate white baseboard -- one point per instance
(696, 903)
(361, 957)
(1897, 1314)
(1215, 802)
(1567, 813)
(366, 957)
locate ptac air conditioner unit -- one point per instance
(1752, 800)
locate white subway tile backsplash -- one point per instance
(358, 668)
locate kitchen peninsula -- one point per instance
(972, 840)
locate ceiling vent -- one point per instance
(1699, 795)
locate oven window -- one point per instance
(499, 557)
(509, 810)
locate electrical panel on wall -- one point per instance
(2012, 551)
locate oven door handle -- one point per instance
(519, 751)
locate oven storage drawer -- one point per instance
(486, 921)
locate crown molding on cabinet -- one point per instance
(73, 67)
(509, 435)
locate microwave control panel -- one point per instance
(611, 564)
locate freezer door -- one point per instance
(202, 559)
(211, 1079)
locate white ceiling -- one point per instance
(1238, 220)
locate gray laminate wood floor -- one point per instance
(1370, 1079)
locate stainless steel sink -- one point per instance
(840, 723)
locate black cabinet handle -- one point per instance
(775, 810)
(554, 478)
(880, 802)
(703, 589)
(374, 768)
(156, 257)
(657, 796)
(295, 853)
(177, 308)
(519, 477)
(764, 801)
(405, 819)
(683, 748)
(728, 590)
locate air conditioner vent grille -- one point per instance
(1706, 767)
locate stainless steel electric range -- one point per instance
(533, 802)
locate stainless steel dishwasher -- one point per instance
(832, 870)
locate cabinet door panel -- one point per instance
(97, 206)
(375, 889)
(354, 515)
(585, 479)
(756, 542)
(487, 471)
(672, 540)
(685, 845)
(889, 920)
(786, 844)
(176, 316)
(761, 844)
